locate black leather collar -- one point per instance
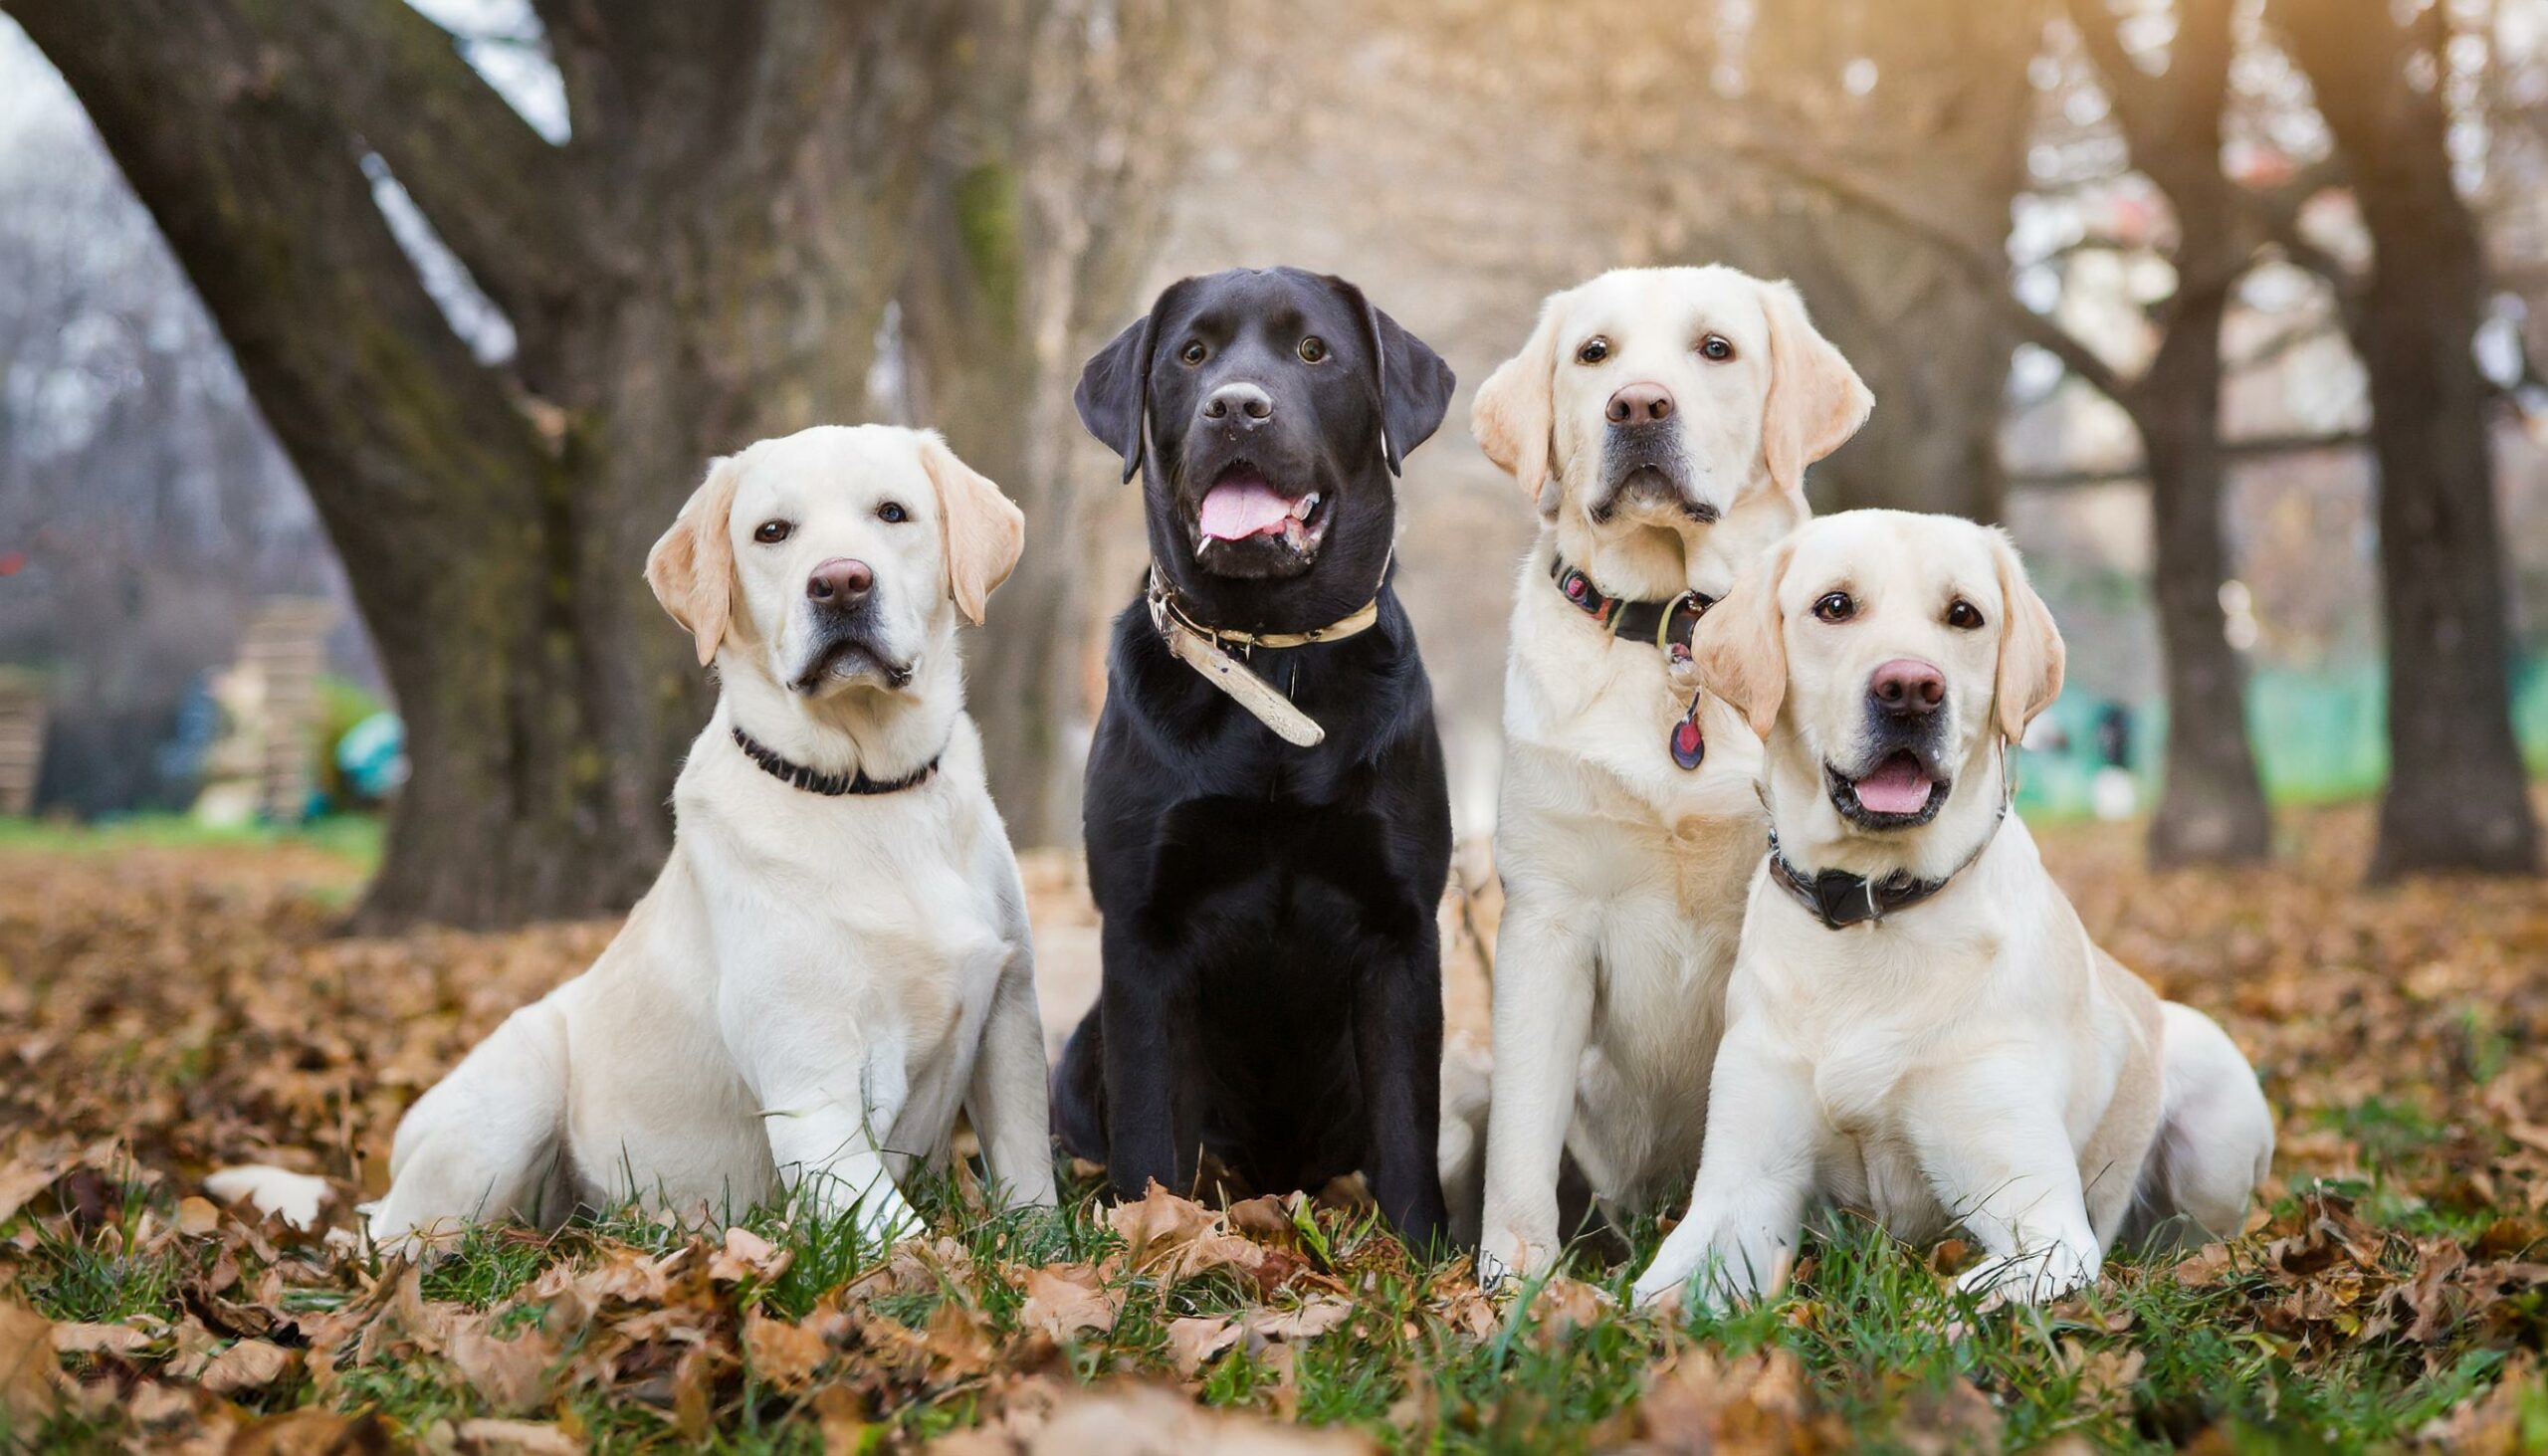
(1666, 624)
(1840, 899)
(831, 785)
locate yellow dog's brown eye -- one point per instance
(1313, 349)
(1836, 606)
(771, 532)
(1716, 346)
(1962, 615)
(1595, 351)
(891, 513)
(1192, 353)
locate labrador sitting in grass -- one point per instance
(1917, 1025)
(835, 960)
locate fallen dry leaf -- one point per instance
(1063, 1300)
(248, 1364)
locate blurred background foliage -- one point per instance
(433, 313)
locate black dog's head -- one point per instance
(1270, 407)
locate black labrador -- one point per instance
(1272, 975)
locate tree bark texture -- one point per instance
(2457, 797)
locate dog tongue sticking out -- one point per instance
(1898, 786)
(1244, 506)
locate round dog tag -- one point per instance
(1689, 745)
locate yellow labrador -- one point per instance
(835, 958)
(1917, 1024)
(1661, 420)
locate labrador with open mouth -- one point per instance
(1660, 420)
(1268, 825)
(834, 960)
(1917, 1024)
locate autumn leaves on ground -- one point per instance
(167, 1012)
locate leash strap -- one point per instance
(1205, 649)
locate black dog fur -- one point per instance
(1272, 990)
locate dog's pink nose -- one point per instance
(1908, 685)
(1640, 404)
(840, 582)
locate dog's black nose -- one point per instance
(840, 583)
(1908, 686)
(1640, 404)
(1240, 401)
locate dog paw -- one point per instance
(2036, 1277)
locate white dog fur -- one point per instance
(814, 986)
(1622, 872)
(1969, 1058)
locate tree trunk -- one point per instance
(706, 262)
(2457, 796)
(1944, 125)
(1046, 196)
(2211, 808)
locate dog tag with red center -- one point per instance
(1689, 745)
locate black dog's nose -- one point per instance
(1250, 405)
(840, 583)
(1640, 404)
(1908, 686)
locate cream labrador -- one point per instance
(1661, 420)
(1917, 1025)
(835, 958)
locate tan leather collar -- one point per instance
(1164, 600)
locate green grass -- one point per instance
(354, 838)
(1886, 1348)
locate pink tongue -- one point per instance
(1243, 506)
(1899, 787)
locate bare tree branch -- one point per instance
(496, 191)
(1989, 272)
(2254, 448)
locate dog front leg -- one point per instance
(1397, 1049)
(1007, 1099)
(1147, 1001)
(1755, 1175)
(1998, 1159)
(1542, 1015)
(825, 1138)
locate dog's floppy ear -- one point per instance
(1515, 414)
(1114, 393)
(1415, 384)
(982, 532)
(692, 567)
(1739, 653)
(1817, 401)
(2031, 655)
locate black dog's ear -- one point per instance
(1415, 385)
(1114, 392)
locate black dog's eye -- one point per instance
(891, 513)
(1193, 352)
(1962, 615)
(771, 532)
(1595, 351)
(1313, 349)
(1836, 606)
(1716, 346)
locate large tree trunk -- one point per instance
(1944, 125)
(704, 263)
(1045, 198)
(2457, 796)
(2213, 806)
